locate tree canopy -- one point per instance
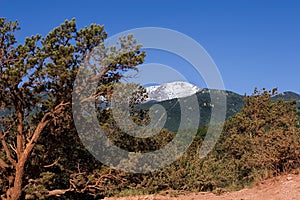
(36, 90)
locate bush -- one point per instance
(259, 142)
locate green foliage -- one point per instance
(38, 137)
(260, 141)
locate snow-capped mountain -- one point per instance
(172, 90)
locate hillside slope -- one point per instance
(234, 105)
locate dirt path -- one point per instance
(285, 187)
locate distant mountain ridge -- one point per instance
(234, 104)
(288, 95)
(167, 95)
(181, 89)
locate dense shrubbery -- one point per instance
(259, 142)
(262, 139)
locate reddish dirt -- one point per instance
(285, 187)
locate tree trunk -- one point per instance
(15, 192)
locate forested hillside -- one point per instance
(234, 103)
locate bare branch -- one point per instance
(51, 165)
(97, 184)
(3, 164)
(58, 192)
(13, 148)
(5, 147)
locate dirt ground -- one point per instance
(286, 187)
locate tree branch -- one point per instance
(3, 164)
(51, 165)
(5, 147)
(58, 192)
(13, 148)
(40, 127)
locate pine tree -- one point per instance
(36, 91)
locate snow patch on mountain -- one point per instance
(172, 90)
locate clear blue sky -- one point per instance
(254, 43)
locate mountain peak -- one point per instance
(166, 91)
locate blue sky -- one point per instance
(254, 43)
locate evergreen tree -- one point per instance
(36, 91)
